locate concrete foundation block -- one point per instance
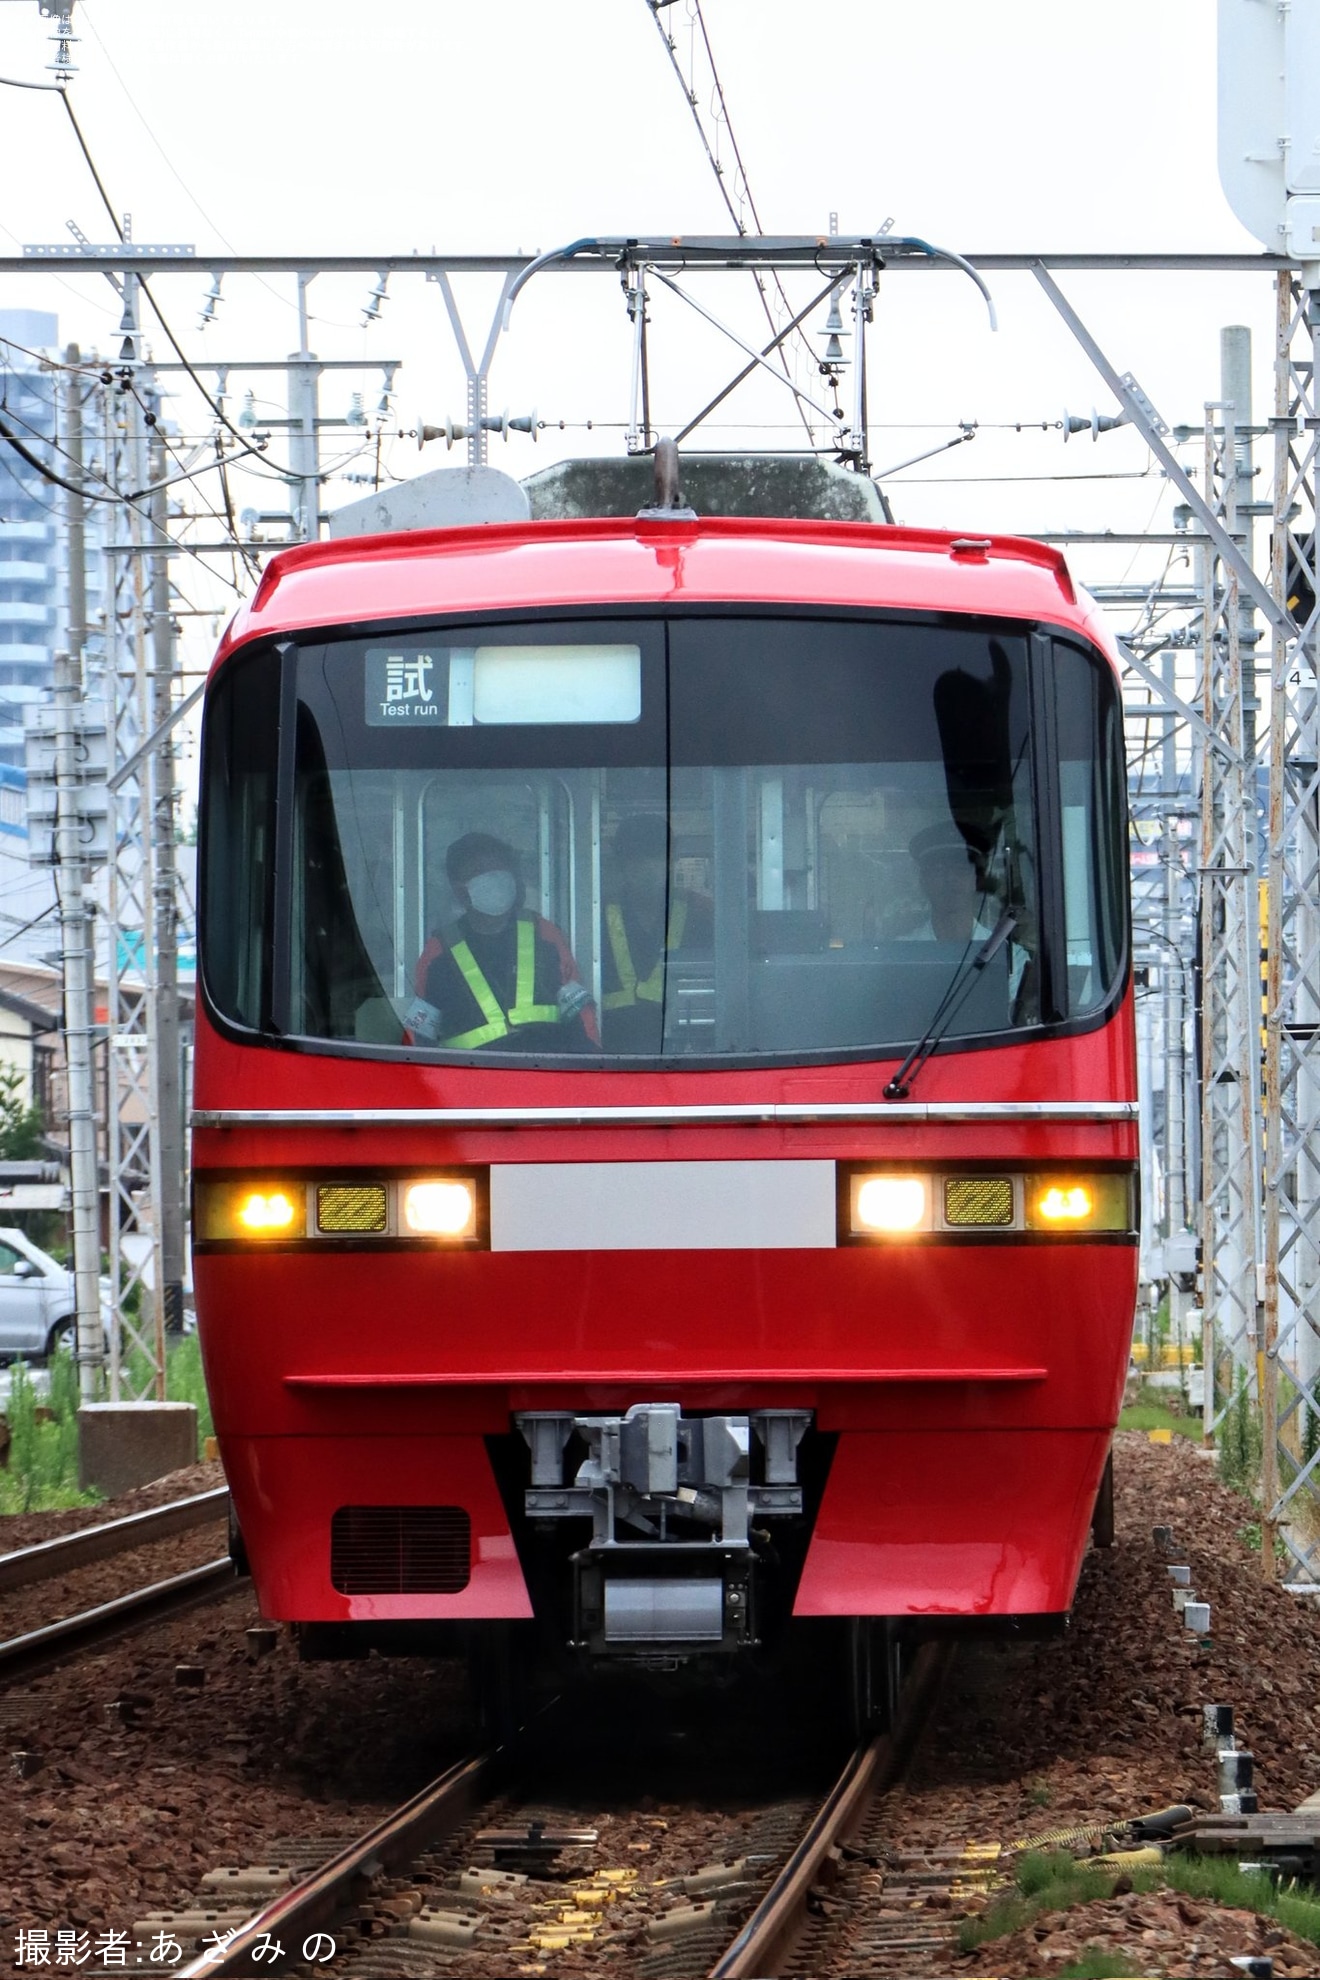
(124, 1444)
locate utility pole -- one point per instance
(75, 920)
(167, 1165)
(304, 435)
(137, 1359)
(75, 951)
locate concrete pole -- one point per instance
(75, 950)
(75, 919)
(304, 440)
(167, 1100)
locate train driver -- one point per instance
(640, 934)
(500, 977)
(959, 910)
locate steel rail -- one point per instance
(433, 1813)
(115, 1536)
(765, 1944)
(21, 1656)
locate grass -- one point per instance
(184, 1380)
(1239, 1444)
(1055, 1881)
(1146, 1415)
(1217, 1878)
(1097, 1964)
(42, 1474)
(1047, 1880)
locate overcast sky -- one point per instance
(513, 125)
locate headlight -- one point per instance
(890, 1204)
(1079, 1202)
(975, 1205)
(343, 1211)
(443, 1207)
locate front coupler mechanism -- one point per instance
(674, 1503)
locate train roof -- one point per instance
(659, 560)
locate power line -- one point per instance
(143, 284)
(115, 498)
(722, 116)
(133, 104)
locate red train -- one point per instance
(665, 1132)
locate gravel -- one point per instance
(1104, 1723)
(133, 1802)
(28, 1529)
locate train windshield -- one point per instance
(726, 837)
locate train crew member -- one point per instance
(639, 935)
(959, 910)
(500, 977)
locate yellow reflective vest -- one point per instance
(499, 1022)
(651, 989)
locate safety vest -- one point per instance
(652, 989)
(521, 1011)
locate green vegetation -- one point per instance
(1047, 1880)
(1239, 1441)
(1055, 1881)
(1097, 1964)
(185, 1382)
(1249, 1535)
(1217, 1878)
(1160, 1409)
(21, 1127)
(42, 1474)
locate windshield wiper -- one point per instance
(964, 976)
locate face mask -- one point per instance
(492, 893)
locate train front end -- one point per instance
(664, 1158)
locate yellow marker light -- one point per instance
(890, 1204)
(262, 1212)
(1065, 1204)
(266, 1212)
(440, 1209)
(1097, 1202)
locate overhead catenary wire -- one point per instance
(720, 179)
(216, 409)
(284, 301)
(212, 403)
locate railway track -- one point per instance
(40, 1649)
(105, 1622)
(475, 1876)
(116, 1536)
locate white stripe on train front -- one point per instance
(662, 1206)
